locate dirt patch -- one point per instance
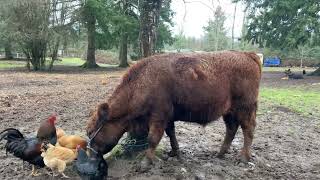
(273, 79)
(286, 145)
(283, 109)
(280, 152)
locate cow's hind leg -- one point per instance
(247, 121)
(170, 131)
(232, 125)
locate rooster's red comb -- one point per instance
(52, 118)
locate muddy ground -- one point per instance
(286, 145)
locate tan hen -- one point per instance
(57, 158)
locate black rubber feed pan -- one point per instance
(92, 166)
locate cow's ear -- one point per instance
(103, 111)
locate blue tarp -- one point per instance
(272, 61)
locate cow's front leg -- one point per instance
(156, 130)
(170, 131)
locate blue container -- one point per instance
(272, 61)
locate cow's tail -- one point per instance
(256, 58)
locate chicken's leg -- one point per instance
(34, 171)
(64, 176)
(54, 175)
(49, 172)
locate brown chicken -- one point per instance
(47, 130)
(57, 158)
(72, 141)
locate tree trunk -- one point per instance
(26, 53)
(91, 27)
(7, 49)
(154, 30)
(217, 40)
(234, 19)
(54, 53)
(38, 54)
(42, 51)
(55, 50)
(301, 57)
(149, 21)
(145, 28)
(123, 54)
(123, 46)
(35, 60)
(243, 30)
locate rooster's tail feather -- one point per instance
(11, 133)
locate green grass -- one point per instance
(11, 64)
(78, 62)
(306, 103)
(107, 65)
(70, 62)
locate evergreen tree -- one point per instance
(215, 32)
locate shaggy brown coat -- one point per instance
(193, 87)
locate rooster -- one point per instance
(47, 130)
(91, 168)
(27, 149)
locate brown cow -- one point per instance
(191, 87)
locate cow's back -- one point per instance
(211, 84)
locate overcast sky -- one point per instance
(198, 14)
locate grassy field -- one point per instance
(306, 103)
(65, 62)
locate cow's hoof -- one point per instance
(176, 154)
(220, 155)
(145, 165)
(173, 153)
(244, 158)
(179, 157)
